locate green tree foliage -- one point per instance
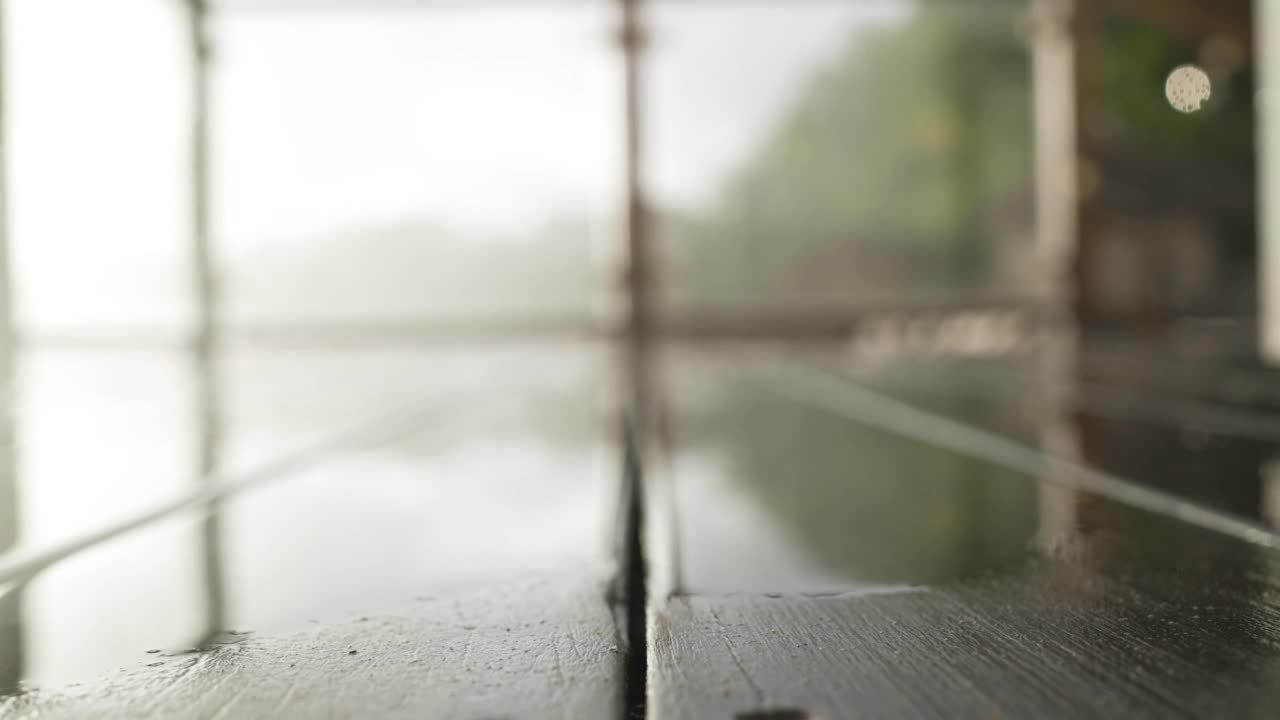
(907, 160)
(1133, 60)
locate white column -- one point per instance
(1053, 64)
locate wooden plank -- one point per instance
(542, 649)
(827, 569)
(469, 559)
(1064, 641)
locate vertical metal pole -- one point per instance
(638, 276)
(11, 640)
(632, 40)
(204, 351)
(1267, 48)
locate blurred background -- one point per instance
(234, 225)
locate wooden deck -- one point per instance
(824, 538)
(456, 560)
(889, 568)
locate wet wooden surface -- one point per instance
(541, 649)
(459, 563)
(1048, 645)
(819, 566)
(815, 551)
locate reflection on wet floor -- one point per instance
(100, 435)
(509, 473)
(993, 591)
(513, 472)
(773, 494)
(1199, 428)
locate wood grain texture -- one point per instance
(456, 561)
(543, 648)
(1053, 643)
(1110, 612)
(940, 585)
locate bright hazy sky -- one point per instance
(486, 120)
